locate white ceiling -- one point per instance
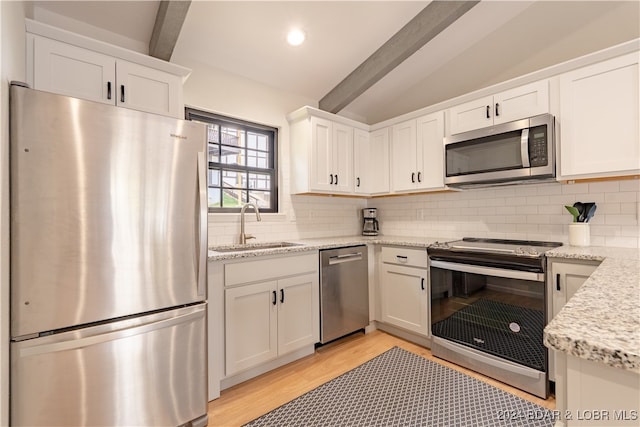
(493, 42)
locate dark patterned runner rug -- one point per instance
(399, 388)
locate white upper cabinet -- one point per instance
(378, 162)
(322, 154)
(514, 104)
(145, 89)
(361, 171)
(73, 71)
(417, 154)
(331, 159)
(65, 67)
(599, 116)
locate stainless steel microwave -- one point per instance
(510, 152)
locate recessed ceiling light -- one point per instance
(295, 37)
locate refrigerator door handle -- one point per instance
(73, 343)
(202, 212)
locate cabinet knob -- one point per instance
(281, 296)
(488, 112)
(275, 298)
(108, 90)
(557, 282)
(422, 283)
(121, 93)
(419, 176)
(330, 178)
(497, 109)
(336, 179)
(413, 177)
(358, 182)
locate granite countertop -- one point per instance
(601, 322)
(317, 244)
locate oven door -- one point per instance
(490, 320)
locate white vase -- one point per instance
(579, 234)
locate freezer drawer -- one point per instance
(144, 371)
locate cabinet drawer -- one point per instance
(404, 256)
(269, 268)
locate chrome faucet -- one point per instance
(244, 237)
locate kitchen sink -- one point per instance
(254, 246)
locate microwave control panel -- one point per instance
(538, 146)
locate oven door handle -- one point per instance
(489, 271)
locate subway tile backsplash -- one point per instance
(531, 212)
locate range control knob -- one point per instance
(519, 251)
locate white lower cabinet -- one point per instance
(271, 317)
(404, 289)
(564, 279)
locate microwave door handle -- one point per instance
(524, 148)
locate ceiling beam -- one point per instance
(169, 19)
(427, 24)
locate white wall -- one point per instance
(300, 216)
(12, 67)
(532, 212)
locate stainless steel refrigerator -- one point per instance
(108, 265)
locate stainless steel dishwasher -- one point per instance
(344, 291)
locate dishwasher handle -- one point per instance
(339, 259)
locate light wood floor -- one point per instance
(251, 399)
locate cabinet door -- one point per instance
(404, 298)
(251, 325)
(72, 71)
(403, 156)
(599, 119)
(566, 278)
(430, 151)
(379, 173)
(521, 102)
(342, 158)
(298, 312)
(321, 155)
(471, 115)
(361, 159)
(145, 89)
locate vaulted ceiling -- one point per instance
(492, 42)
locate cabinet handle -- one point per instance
(281, 296)
(488, 112)
(422, 283)
(330, 178)
(336, 179)
(358, 182)
(497, 111)
(419, 176)
(108, 90)
(413, 177)
(275, 298)
(401, 258)
(557, 282)
(121, 93)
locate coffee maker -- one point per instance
(369, 222)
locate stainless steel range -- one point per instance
(488, 308)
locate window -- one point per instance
(242, 163)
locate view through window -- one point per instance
(242, 163)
